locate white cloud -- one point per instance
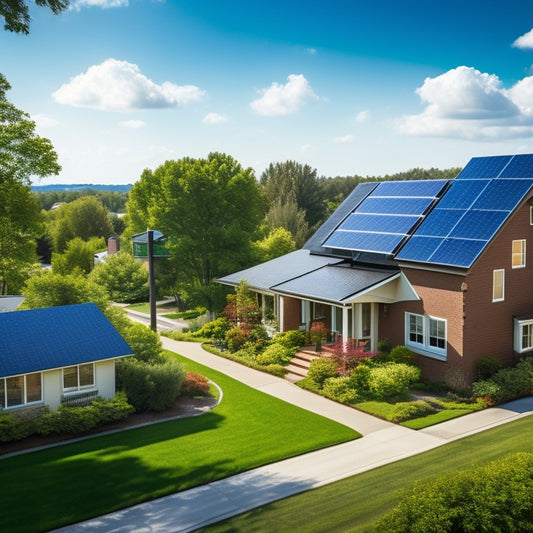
(283, 99)
(119, 86)
(311, 51)
(469, 104)
(104, 4)
(524, 41)
(362, 116)
(214, 118)
(43, 121)
(133, 124)
(344, 139)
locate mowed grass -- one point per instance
(356, 503)
(69, 483)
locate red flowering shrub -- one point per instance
(194, 385)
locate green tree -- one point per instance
(79, 255)
(298, 182)
(124, 278)
(16, 13)
(277, 243)
(284, 213)
(22, 154)
(210, 209)
(84, 218)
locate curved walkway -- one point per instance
(382, 443)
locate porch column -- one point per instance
(281, 313)
(345, 323)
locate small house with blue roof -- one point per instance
(441, 266)
(57, 355)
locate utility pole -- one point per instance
(151, 279)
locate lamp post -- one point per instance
(151, 280)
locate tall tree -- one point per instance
(210, 209)
(293, 180)
(284, 213)
(22, 154)
(16, 13)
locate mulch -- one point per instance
(184, 407)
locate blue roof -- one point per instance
(55, 337)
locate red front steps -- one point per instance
(299, 366)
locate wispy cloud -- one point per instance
(103, 4)
(524, 41)
(120, 86)
(285, 99)
(133, 124)
(214, 118)
(362, 116)
(466, 103)
(344, 139)
(44, 121)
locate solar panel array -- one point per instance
(472, 210)
(382, 221)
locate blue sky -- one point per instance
(348, 87)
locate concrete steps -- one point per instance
(299, 366)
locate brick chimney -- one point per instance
(113, 245)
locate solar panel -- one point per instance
(479, 225)
(386, 223)
(484, 167)
(410, 188)
(458, 252)
(520, 166)
(503, 194)
(462, 194)
(395, 206)
(364, 242)
(419, 248)
(440, 222)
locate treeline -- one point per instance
(115, 201)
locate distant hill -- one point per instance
(80, 186)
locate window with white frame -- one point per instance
(21, 390)
(519, 253)
(498, 280)
(523, 335)
(78, 377)
(426, 334)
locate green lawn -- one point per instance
(47, 489)
(354, 504)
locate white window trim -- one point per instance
(531, 215)
(518, 325)
(502, 270)
(425, 348)
(522, 255)
(78, 388)
(25, 402)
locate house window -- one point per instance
(523, 335)
(426, 334)
(498, 279)
(20, 390)
(531, 215)
(519, 254)
(78, 377)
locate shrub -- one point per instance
(216, 329)
(275, 354)
(391, 379)
(321, 369)
(194, 385)
(13, 428)
(407, 410)
(318, 334)
(486, 367)
(494, 497)
(401, 354)
(347, 355)
(486, 390)
(144, 343)
(151, 387)
(235, 338)
(384, 346)
(290, 339)
(340, 389)
(276, 370)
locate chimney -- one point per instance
(113, 245)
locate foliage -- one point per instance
(493, 497)
(321, 369)
(318, 333)
(407, 410)
(144, 343)
(391, 379)
(150, 387)
(210, 209)
(401, 354)
(115, 201)
(216, 329)
(284, 213)
(278, 242)
(194, 384)
(340, 389)
(384, 346)
(242, 308)
(84, 218)
(124, 278)
(236, 337)
(48, 289)
(290, 339)
(486, 367)
(17, 17)
(275, 354)
(78, 256)
(347, 355)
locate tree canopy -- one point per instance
(16, 13)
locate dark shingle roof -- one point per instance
(55, 337)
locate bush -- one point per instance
(494, 497)
(216, 329)
(290, 339)
(236, 338)
(407, 410)
(275, 354)
(391, 379)
(194, 385)
(486, 367)
(340, 389)
(151, 387)
(144, 343)
(384, 346)
(320, 370)
(13, 428)
(401, 354)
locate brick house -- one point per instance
(439, 266)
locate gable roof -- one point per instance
(55, 337)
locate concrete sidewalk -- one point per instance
(382, 443)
